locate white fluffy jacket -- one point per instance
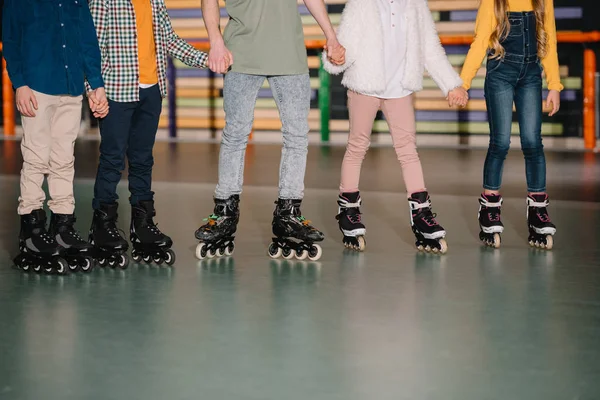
(360, 32)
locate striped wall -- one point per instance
(195, 89)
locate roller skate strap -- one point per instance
(417, 206)
(486, 203)
(350, 205)
(537, 204)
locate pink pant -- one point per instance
(400, 116)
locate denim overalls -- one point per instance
(516, 77)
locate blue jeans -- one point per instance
(520, 81)
(129, 130)
(292, 95)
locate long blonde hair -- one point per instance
(503, 28)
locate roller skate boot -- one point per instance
(76, 250)
(110, 247)
(430, 235)
(489, 219)
(541, 229)
(350, 221)
(39, 251)
(293, 234)
(148, 242)
(216, 236)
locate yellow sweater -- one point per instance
(485, 25)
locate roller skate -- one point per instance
(349, 220)
(149, 243)
(541, 229)
(109, 246)
(217, 235)
(430, 235)
(293, 234)
(489, 219)
(38, 250)
(76, 250)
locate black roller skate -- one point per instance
(541, 229)
(430, 235)
(349, 220)
(489, 219)
(109, 246)
(149, 243)
(217, 235)
(38, 250)
(294, 236)
(76, 250)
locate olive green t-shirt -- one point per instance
(265, 37)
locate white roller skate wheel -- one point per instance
(123, 262)
(211, 254)
(290, 255)
(497, 241)
(201, 251)
(136, 256)
(170, 257)
(274, 251)
(302, 255)
(428, 249)
(362, 243)
(316, 251)
(229, 249)
(220, 252)
(443, 246)
(549, 242)
(420, 248)
(86, 265)
(62, 266)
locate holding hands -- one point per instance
(458, 97)
(336, 53)
(219, 58)
(98, 102)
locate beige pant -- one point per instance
(47, 147)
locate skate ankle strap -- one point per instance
(415, 205)
(349, 205)
(486, 203)
(537, 204)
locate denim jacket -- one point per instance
(51, 46)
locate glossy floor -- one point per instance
(390, 323)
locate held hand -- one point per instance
(26, 101)
(458, 97)
(553, 101)
(219, 58)
(336, 53)
(98, 102)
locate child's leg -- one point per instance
(400, 116)
(528, 103)
(363, 110)
(64, 129)
(36, 147)
(144, 124)
(499, 95)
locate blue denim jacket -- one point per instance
(51, 46)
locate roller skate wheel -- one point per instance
(158, 260)
(275, 251)
(362, 243)
(420, 247)
(86, 264)
(287, 253)
(25, 266)
(170, 257)
(428, 249)
(61, 266)
(201, 251)
(112, 263)
(37, 268)
(74, 266)
(229, 249)
(220, 252)
(549, 242)
(497, 241)
(123, 261)
(211, 253)
(301, 254)
(102, 262)
(136, 256)
(147, 259)
(443, 246)
(315, 252)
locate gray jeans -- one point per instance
(292, 95)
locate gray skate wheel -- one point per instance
(170, 257)
(136, 256)
(61, 266)
(86, 264)
(123, 261)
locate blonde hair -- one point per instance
(503, 28)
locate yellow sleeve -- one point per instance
(550, 62)
(484, 26)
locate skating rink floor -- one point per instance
(390, 323)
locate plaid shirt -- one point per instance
(117, 35)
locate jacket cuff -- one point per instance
(556, 86)
(95, 82)
(17, 81)
(331, 68)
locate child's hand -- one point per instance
(458, 97)
(98, 102)
(553, 100)
(336, 53)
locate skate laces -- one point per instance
(304, 221)
(211, 220)
(429, 217)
